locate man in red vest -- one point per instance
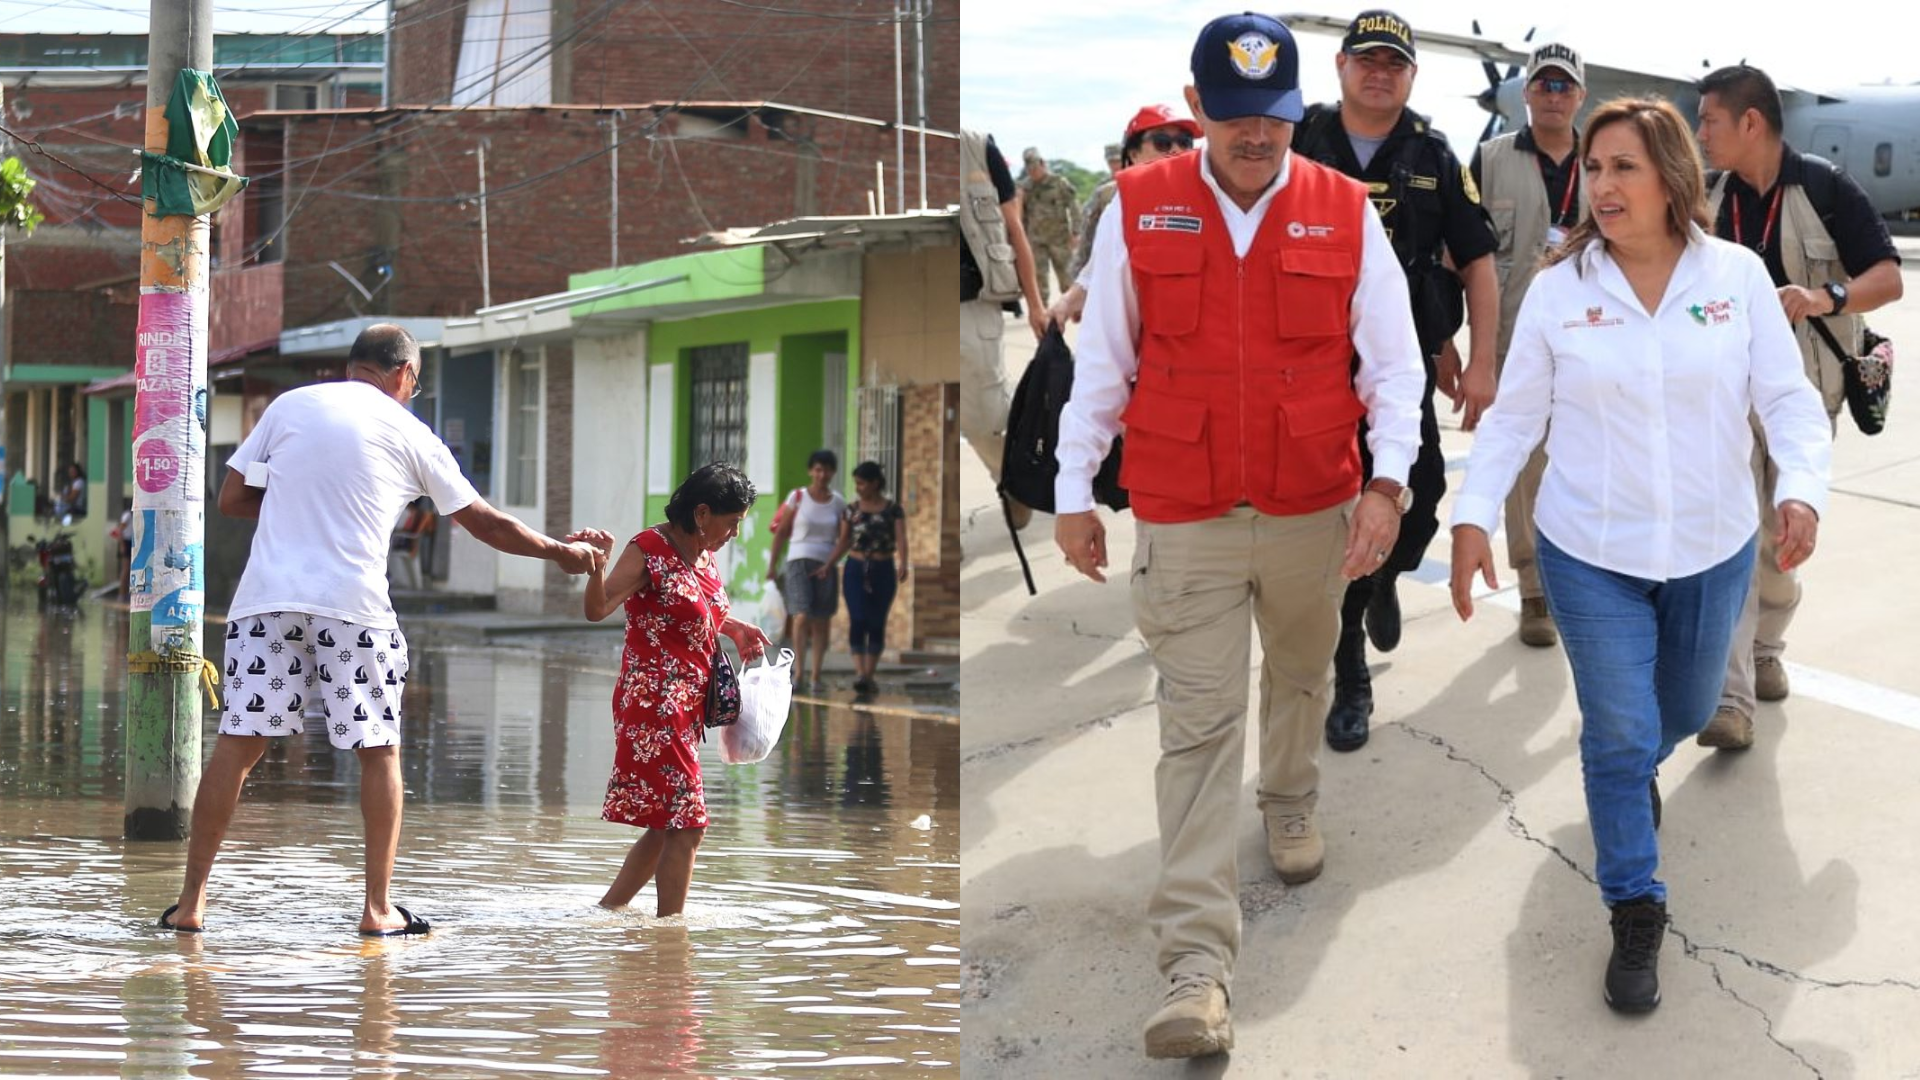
(1228, 293)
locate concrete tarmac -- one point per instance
(1457, 930)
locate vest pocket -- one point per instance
(1313, 290)
(1319, 445)
(1166, 447)
(1167, 281)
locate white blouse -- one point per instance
(1649, 447)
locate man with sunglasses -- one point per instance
(1530, 182)
(311, 631)
(1432, 213)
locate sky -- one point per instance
(1066, 75)
(230, 16)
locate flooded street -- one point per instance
(821, 934)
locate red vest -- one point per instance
(1245, 390)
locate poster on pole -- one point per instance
(169, 464)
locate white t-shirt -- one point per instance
(816, 526)
(342, 460)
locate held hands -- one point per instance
(1472, 551)
(599, 541)
(580, 557)
(1799, 528)
(1376, 525)
(1083, 540)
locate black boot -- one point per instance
(1383, 611)
(1352, 693)
(1633, 974)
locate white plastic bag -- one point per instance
(766, 695)
(773, 611)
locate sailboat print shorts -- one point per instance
(285, 666)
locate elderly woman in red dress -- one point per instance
(676, 611)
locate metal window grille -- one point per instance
(523, 427)
(880, 433)
(719, 422)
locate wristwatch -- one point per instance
(1838, 293)
(1397, 493)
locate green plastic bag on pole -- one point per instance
(200, 132)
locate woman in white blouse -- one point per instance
(1639, 353)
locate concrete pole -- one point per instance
(486, 271)
(921, 10)
(899, 118)
(164, 704)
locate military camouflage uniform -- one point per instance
(1051, 212)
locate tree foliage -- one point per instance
(1083, 180)
(15, 186)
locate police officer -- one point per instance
(1234, 374)
(1530, 180)
(1050, 210)
(1430, 207)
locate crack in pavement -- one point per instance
(1693, 951)
(988, 753)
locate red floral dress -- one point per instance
(659, 702)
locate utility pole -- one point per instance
(899, 119)
(164, 661)
(921, 9)
(486, 272)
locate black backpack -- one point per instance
(1028, 466)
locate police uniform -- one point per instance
(1428, 202)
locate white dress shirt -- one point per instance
(1106, 354)
(1649, 450)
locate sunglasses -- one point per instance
(1555, 86)
(1165, 143)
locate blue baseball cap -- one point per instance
(1247, 65)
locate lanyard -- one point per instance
(1766, 234)
(1566, 198)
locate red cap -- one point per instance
(1153, 116)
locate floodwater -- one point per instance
(821, 937)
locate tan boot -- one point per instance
(1192, 1022)
(1770, 679)
(1293, 841)
(1536, 624)
(1730, 729)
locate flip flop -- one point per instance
(165, 925)
(414, 925)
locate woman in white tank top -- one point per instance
(813, 534)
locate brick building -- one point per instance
(611, 132)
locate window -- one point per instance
(296, 96)
(719, 422)
(1883, 159)
(523, 427)
(506, 54)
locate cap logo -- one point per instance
(1253, 55)
(1381, 24)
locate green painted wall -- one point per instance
(711, 275)
(799, 334)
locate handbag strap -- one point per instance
(1833, 343)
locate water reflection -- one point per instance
(821, 931)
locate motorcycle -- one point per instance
(60, 582)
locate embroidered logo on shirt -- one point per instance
(1169, 223)
(1300, 229)
(1713, 312)
(1596, 317)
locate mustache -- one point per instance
(1253, 151)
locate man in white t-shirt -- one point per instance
(311, 631)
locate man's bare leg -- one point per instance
(380, 799)
(234, 756)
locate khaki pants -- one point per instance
(1195, 586)
(1771, 600)
(984, 397)
(1521, 550)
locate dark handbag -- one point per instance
(723, 690)
(1867, 378)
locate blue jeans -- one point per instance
(1648, 660)
(870, 585)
